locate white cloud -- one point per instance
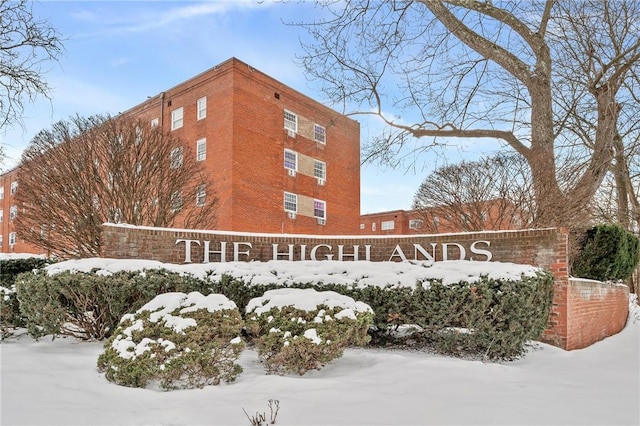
(142, 20)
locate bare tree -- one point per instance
(26, 45)
(475, 69)
(584, 59)
(87, 171)
(492, 193)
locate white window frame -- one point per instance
(14, 187)
(290, 120)
(176, 157)
(415, 224)
(292, 199)
(288, 160)
(177, 118)
(319, 133)
(373, 226)
(1, 192)
(176, 201)
(1, 215)
(201, 107)
(201, 195)
(323, 210)
(362, 226)
(201, 149)
(155, 122)
(319, 169)
(387, 225)
(13, 212)
(1, 242)
(13, 239)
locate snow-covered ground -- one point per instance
(56, 383)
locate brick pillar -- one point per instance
(556, 332)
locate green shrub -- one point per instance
(176, 341)
(89, 305)
(11, 268)
(489, 318)
(10, 316)
(606, 252)
(297, 330)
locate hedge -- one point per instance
(10, 316)
(89, 305)
(606, 252)
(492, 318)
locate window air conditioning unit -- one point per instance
(292, 215)
(292, 172)
(321, 182)
(321, 221)
(291, 133)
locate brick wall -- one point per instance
(595, 310)
(581, 313)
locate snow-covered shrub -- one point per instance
(89, 305)
(9, 311)
(176, 341)
(10, 268)
(297, 330)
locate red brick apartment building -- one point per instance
(280, 161)
(495, 215)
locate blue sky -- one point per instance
(119, 52)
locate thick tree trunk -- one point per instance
(550, 200)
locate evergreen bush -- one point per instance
(89, 305)
(176, 341)
(297, 330)
(491, 318)
(606, 252)
(10, 316)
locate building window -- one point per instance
(1, 215)
(176, 157)
(362, 226)
(13, 212)
(319, 133)
(176, 118)
(176, 201)
(14, 187)
(436, 220)
(201, 149)
(155, 122)
(290, 121)
(387, 225)
(415, 224)
(319, 209)
(319, 169)
(1, 192)
(373, 226)
(290, 160)
(201, 194)
(0, 240)
(290, 202)
(202, 108)
(12, 239)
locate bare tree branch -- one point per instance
(87, 171)
(26, 45)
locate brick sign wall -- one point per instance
(546, 248)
